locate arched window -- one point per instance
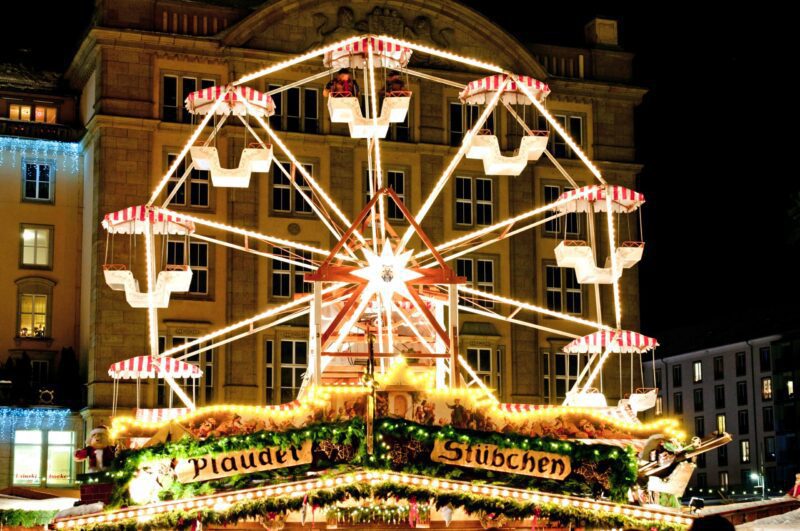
(34, 307)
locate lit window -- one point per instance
(45, 114)
(396, 180)
(172, 106)
(744, 451)
(197, 182)
(789, 388)
(479, 274)
(697, 367)
(573, 124)
(289, 278)
(659, 405)
(37, 451)
(37, 182)
(296, 110)
(198, 263)
(463, 118)
(562, 285)
(287, 198)
(19, 112)
(474, 201)
(294, 362)
(721, 423)
(568, 225)
(34, 307)
(723, 480)
(37, 244)
(766, 388)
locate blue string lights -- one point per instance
(14, 418)
(11, 148)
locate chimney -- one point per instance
(602, 32)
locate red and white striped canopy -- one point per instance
(619, 341)
(478, 91)
(201, 101)
(354, 55)
(623, 199)
(148, 367)
(136, 219)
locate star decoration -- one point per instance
(386, 274)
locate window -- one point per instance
(700, 426)
(43, 457)
(722, 455)
(400, 132)
(463, 118)
(764, 359)
(396, 180)
(789, 388)
(37, 181)
(702, 480)
(677, 403)
(546, 377)
(294, 360)
(40, 113)
(19, 112)
(701, 461)
(677, 376)
(269, 372)
(172, 109)
(741, 393)
(296, 110)
(562, 285)
(34, 307)
(723, 480)
(769, 419)
(766, 388)
(201, 390)
(719, 368)
(482, 362)
(769, 448)
(567, 366)
(474, 201)
(287, 198)
(36, 246)
(196, 182)
(572, 222)
(289, 278)
(198, 262)
(659, 405)
(744, 451)
(698, 400)
(744, 422)
(741, 364)
(721, 423)
(573, 124)
(719, 396)
(479, 273)
(697, 371)
(658, 378)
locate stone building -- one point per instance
(141, 58)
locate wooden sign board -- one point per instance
(221, 465)
(508, 460)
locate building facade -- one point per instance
(142, 57)
(744, 388)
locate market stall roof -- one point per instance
(353, 55)
(616, 341)
(136, 219)
(623, 199)
(478, 91)
(201, 101)
(149, 367)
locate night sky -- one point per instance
(713, 133)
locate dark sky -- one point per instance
(713, 134)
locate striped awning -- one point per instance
(618, 341)
(478, 91)
(622, 199)
(615, 413)
(136, 219)
(161, 414)
(148, 367)
(353, 55)
(201, 101)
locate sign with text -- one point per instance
(508, 460)
(221, 465)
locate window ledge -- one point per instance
(46, 340)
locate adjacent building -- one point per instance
(128, 80)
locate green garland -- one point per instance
(22, 518)
(384, 513)
(620, 465)
(127, 463)
(471, 503)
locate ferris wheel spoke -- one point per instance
(513, 320)
(614, 262)
(271, 256)
(376, 144)
(443, 54)
(454, 162)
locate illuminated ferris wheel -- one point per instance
(382, 292)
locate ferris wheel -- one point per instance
(384, 291)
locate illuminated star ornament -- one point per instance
(387, 274)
